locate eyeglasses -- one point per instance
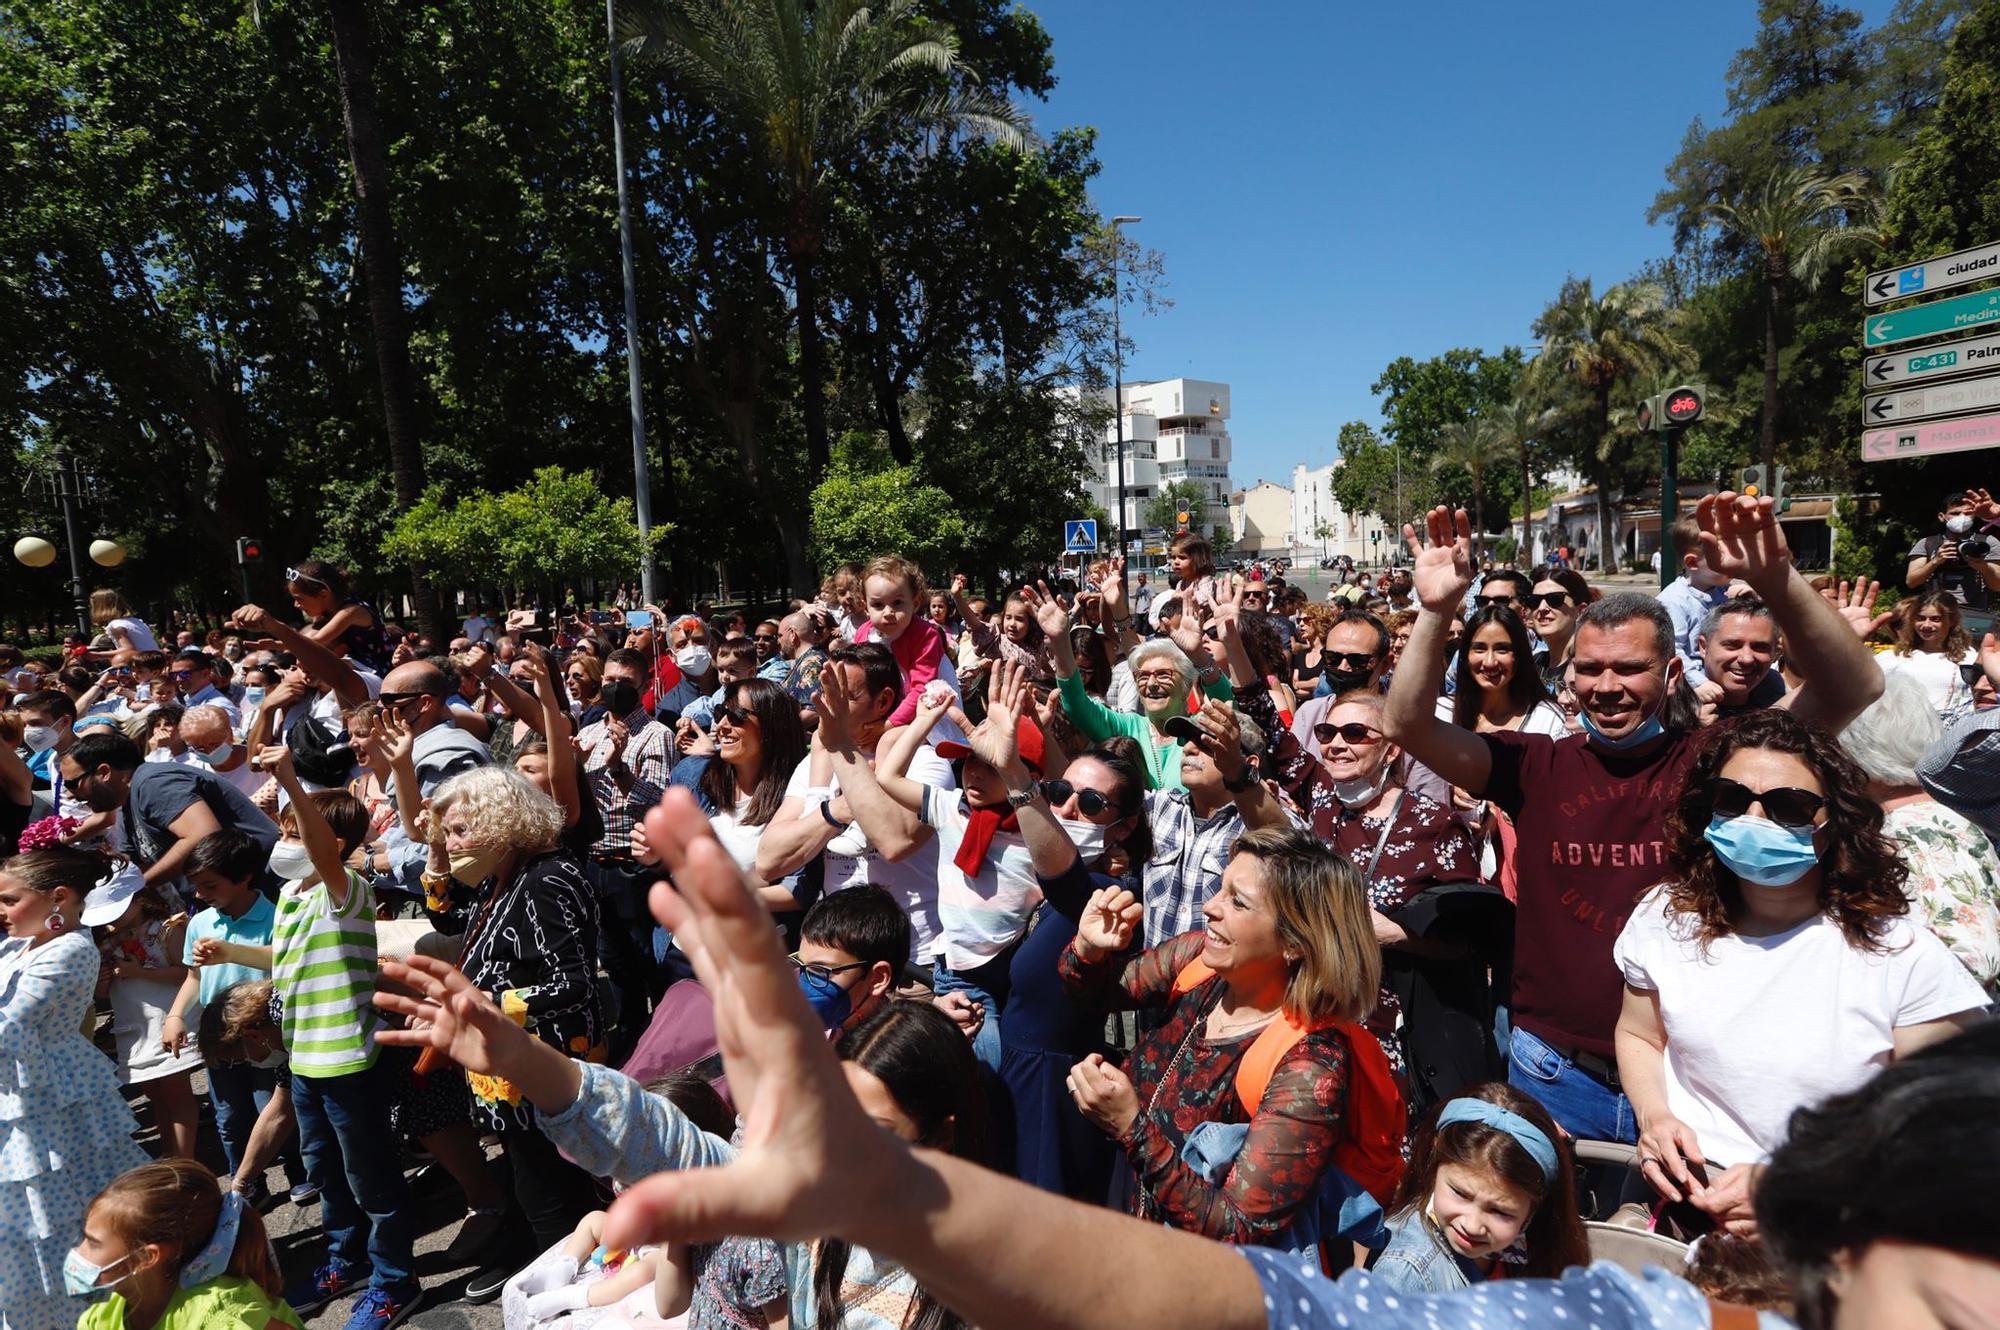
(826, 972)
(180, 676)
(1786, 805)
(1158, 676)
(1502, 599)
(1353, 733)
(1353, 660)
(766, 637)
(1555, 600)
(1088, 802)
(736, 716)
(294, 575)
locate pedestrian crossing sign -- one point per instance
(1080, 536)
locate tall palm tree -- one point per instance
(1520, 424)
(1479, 448)
(809, 83)
(1796, 220)
(1597, 342)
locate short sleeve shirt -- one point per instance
(323, 966)
(984, 914)
(252, 928)
(162, 791)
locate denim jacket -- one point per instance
(1418, 1261)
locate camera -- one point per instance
(1974, 545)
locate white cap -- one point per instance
(109, 899)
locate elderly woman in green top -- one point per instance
(1165, 669)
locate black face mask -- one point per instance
(620, 697)
(1344, 681)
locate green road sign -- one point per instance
(1958, 314)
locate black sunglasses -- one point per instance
(1088, 802)
(1786, 805)
(1354, 732)
(1353, 660)
(1503, 598)
(1555, 600)
(736, 716)
(388, 699)
(826, 972)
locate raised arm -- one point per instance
(1442, 573)
(320, 842)
(1740, 536)
(518, 701)
(315, 657)
(996, 744)
(554, 723)
(886, 804)
(392, 748)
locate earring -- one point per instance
(56, 924)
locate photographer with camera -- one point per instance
(1962, 560)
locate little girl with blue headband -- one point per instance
(1489, 1194)
(164, 1247)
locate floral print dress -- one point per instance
(1183, 1079)
(1954, 883)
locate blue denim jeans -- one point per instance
(977, 985)
(238, 1093)
(1582, 1105)
(354, 1157)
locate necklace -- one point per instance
(1220, 1029)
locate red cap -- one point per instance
(1027, 738)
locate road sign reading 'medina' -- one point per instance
(1941, 398)
(1959, 314)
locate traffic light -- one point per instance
(249, 550)
(1754, 482)
(1681, 407)
(1182, 517)
(1777, 490)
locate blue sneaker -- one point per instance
(381, 1308)
(327, 1283)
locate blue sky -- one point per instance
(1333, 184)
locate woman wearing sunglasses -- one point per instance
(759, 741)
(1776, 968)
(336, 619)
(1552, 608)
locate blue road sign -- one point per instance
(1080, 536)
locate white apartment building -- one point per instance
(1322, 529)
(1175, 430)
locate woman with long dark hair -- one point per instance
(1552, 606)
(1932, 646)
(1777, 966)
(757, 743)
(1497, 684)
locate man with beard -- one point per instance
(1590, 809)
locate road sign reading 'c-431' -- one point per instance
(1931, 400)
(1933, 275)
(1946, 360)
(1958, 314)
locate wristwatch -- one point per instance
(1024, 796)
(1248, 778)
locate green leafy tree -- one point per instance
(864, 508)
(557, 527)
(1371, 478)
(1172, 499)
(808, 86)
(1793, 221)
(1594, 343)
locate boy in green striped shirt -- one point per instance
(323, 973)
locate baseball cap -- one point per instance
(112, 894)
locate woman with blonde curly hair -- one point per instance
(532, 946)
(1932, 646)
(1777, 966)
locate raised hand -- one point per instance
(1855, 603)
(1228, 607)
(1740, 538)
(1104, 1094)
(994, 741)
(1112, 587)
(1108, 923)
(1984, 506)
(1441, 561)
(392, 737)
(453, 1017)
(1187, 634)
(250, 619)
(1048, 611)
(1989, 658)
(274, 758)
(958, 586)
(1221, 737)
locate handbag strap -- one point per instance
(1395, 811)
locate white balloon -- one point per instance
(34, 551)
(107, 552)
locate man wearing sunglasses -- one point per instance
(194, 680)
(1589, 810)
(417, 693)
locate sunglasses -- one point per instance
(396, 700)
(1498, 600)
(826, 972)
(294, 575)
(180, 676)
(1353, 660)
(1555, 600)
(736, 716)
(1353, 733)
(1787, 805)
(1088, 802)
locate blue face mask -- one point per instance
(1760, 851)
(80, 1276)
(252, 696)
(1649, 729)
(830, 1002)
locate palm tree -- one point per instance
(1520, 423)
(809, 83)
(1795, 219)
(1479, 448)
(1596, 343)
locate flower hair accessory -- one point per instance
(213, 1259)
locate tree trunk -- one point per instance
(812, 367)
(1526, 554)
(382, 274)
(1600, 475)
(1478, 517)
(1767, 429)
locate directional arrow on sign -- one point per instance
(1934, 400)
(1882, 288)
(1958, 314)
(1946, 360)
(1939, 436)
(1932, 275)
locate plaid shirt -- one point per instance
(649, 752)
(1189, 854)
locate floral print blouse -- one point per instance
(1292, 1134)
(1954, 882)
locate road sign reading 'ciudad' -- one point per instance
(1946, 360)
(1933, 275)
(1958, 314)
(1939, 436)
(1931, 400)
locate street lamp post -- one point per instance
(1118, 384)
(66, 491)
(642, 489)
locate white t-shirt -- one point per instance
(1760, 1026)
(136, 633)
(982, 916)
(852, 862)
(1950, 695)
(1545, 718)
(244, 776)
(737, 838)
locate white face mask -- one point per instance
(1354, 794)
(694, 659)
(291, 861)
(215, 757)
(1088, 837)
(271, 1060)
(39, 738)
(1958, 523)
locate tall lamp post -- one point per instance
(36, 552)
(1118, 384)
(642, 488)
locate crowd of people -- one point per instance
(894, 954)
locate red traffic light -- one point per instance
(249, 549)
(1682, 406)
